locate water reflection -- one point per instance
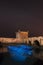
(20, 52)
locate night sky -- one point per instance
(23, 15)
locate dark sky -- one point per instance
(21, 15)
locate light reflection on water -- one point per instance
(20, 52)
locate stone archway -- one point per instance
(37, 46)
(30, 43)
(36, 42)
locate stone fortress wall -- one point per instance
(22, 37)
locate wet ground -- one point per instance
(35, 59)
(8, 61)
(38, 53)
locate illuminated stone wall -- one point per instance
(22, 34)
(22, 37)
(39, 39)
(18, 40)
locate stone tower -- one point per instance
(22, 35)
